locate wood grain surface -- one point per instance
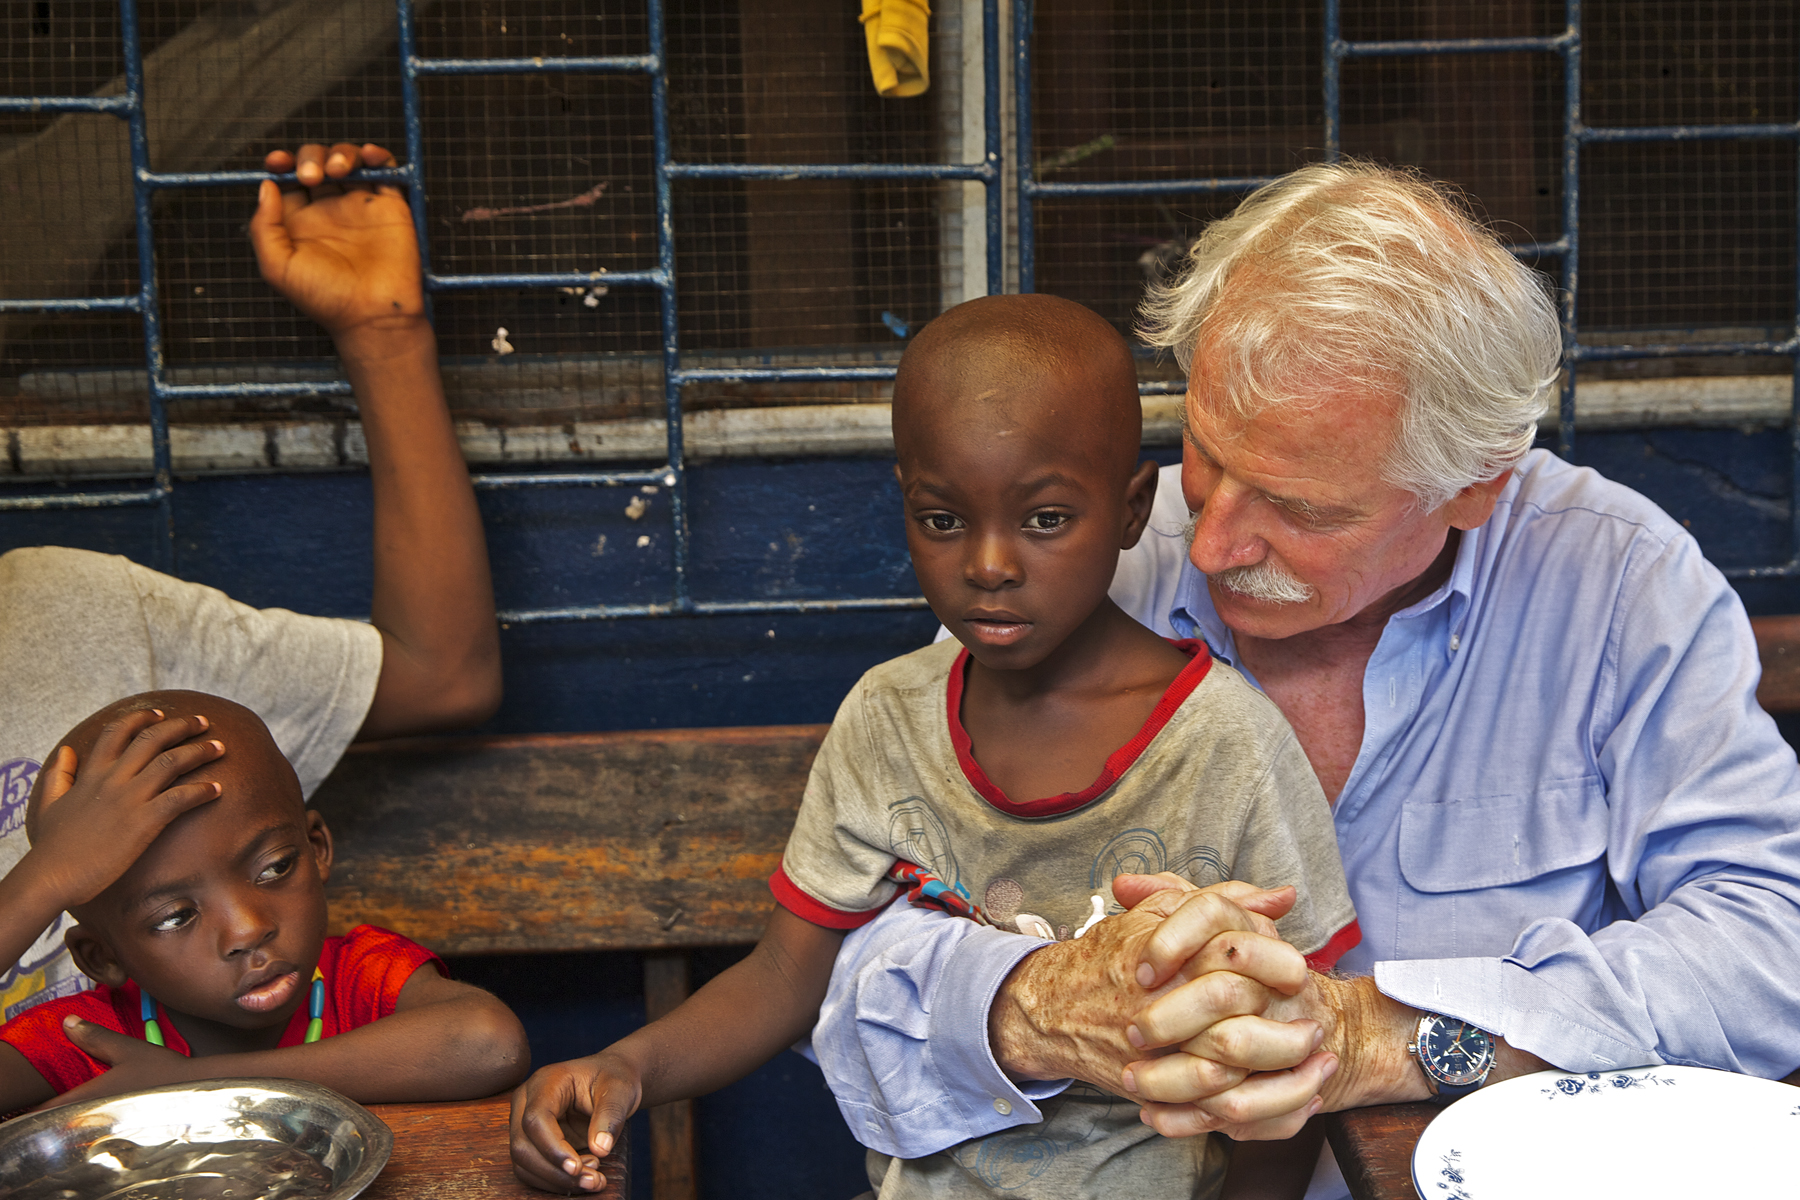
(611, 841)
(1778, 645)
(1374, 1148)
(458, 1151)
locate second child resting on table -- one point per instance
(1010, 779)
(210, 946)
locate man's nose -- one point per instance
(1224, 533)
(992, 561)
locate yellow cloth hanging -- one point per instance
(898, 45)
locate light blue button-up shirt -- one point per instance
(1569, 822)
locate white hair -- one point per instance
(1351, 276)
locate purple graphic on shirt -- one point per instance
(15, 786)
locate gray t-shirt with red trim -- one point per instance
(1214, 787)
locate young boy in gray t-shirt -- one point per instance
(1010, 778)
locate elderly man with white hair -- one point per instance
(1571, 834)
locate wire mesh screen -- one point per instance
(1674, 235)
(533, 173)
(555, 172)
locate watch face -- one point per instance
(1456, 1053)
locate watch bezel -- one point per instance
(1428, 1056)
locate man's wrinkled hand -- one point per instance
(1064, 1010)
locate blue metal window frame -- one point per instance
(1566, 248)
(672, 474)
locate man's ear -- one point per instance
(1472, 506)
(94, 956)
(319, 837)
(1140, 498)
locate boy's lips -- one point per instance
(997, 628)
(268, 989)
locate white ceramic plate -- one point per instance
(1651, 1133)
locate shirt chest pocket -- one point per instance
(1481, 870)
(1500, 841)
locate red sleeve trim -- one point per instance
(37, 1033)
(1341, 943)
(790, 897)
(1117, 763)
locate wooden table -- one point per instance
(1374, 1148)
(458, 1151)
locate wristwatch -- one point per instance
(1455, 1056)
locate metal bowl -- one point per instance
(225, 1139)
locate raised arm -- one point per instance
(345, 254)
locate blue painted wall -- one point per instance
(813, 528)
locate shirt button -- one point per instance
(1003, 1107)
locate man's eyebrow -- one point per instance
(1294, 504)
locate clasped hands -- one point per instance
(1189, 1004)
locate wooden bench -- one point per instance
(655, 841)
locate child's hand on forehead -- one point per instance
(123, 793)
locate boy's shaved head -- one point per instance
(1046, 362)
(252, 759)
(252, 747)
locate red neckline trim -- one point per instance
(1117, 763)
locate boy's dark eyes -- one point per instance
(1045, 521)
(171, 921)
(939, 522)
(276, 869)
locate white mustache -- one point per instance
(1262, 581)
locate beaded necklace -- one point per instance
(315, 1028)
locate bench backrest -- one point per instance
(654, 839)
(608, 841)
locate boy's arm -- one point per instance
(124, 789)
(443, 1041)
(21, 1086)
(347, 257)
(723, 1032)
(1274, 1170)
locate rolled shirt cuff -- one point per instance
(1508, 1000)
(975, 1098)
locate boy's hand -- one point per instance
(123, 789)
(343, 253)
(602, 1086)
(135, 1063)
